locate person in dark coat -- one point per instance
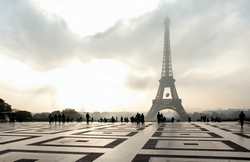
(55, 118)
(63, 118)
(242, 118)
(142, 118)
(87, 118)
(158, 117)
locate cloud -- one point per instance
(138, 82)
(199, 31)
(209, 43)
(30, 35)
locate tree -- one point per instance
(4, 107)
(41, 116)
(23, 116)
(7, 108)
(55, 112)
(71, 113)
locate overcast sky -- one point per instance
(106, 55)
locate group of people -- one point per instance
(205, 118)
(59, 118)
(112, 119)
(125, 119)
(162, 118)
(139, 118)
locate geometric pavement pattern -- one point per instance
(118, 142)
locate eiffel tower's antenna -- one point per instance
(167, 71)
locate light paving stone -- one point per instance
(121, 142)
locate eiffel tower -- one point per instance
(172, 101)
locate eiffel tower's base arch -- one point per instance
(163, 104)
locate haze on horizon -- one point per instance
(107, 55)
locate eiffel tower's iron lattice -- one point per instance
(167, 81)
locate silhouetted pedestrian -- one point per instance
(132, 119)
(59, 118)
(50, 118)
(112, 119)
(242, 118)
(63, 118)
(172, 119)
(137, 118)
(87, 118)
(55, 118)
(158, 117)
(142, 118)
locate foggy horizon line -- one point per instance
(202, 111)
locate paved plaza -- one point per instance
(118, 142)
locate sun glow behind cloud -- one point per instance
(87, 17)
(99, 85)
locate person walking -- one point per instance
(63, 118)
(242, 118)
(87, 118)
(142, 118)
(55, 118)
(50, 118)
(158, 117)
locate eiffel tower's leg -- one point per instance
(151, 115)
(174, 92)
(160, 92)
(176, 105)
(181, 111)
